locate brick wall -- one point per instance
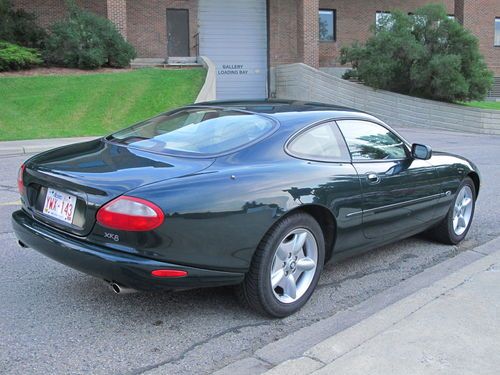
(283, 32)
(48, 11)
(355, 17)
(308, 31)
(147, 25)
(117, 13)
(293, 32)
(479, 17)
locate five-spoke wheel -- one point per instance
(462, 210)
(456, 224)
(294, 265)
(286, 266)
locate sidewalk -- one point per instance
(37, 145)
(450, 327)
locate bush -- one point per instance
(425, 54)
(87, 41)
(14, 57)
(19, 27)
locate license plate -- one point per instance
(60, 205)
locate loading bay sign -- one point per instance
(232, 70)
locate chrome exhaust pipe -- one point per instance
(22, 244)
(120, 289)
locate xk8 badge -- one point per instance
(112, 236)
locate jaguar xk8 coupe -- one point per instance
(254, 194)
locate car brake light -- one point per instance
(169, 273)
(130, 214)
(20, 181)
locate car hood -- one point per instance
(96, 172)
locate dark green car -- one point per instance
(254, 194)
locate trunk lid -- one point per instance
(96, 172)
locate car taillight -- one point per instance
(131, 214)
(20, 182)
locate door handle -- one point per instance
(373, 178)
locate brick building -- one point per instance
(245, 38)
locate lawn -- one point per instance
(90, 104)
(484, 105)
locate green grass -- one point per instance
(90, 104)
(484, 105)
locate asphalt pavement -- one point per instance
(59, 321)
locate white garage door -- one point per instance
(233, 34)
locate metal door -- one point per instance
(177, 32)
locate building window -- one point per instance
(497, 32)
(327, 25)
(383, 18)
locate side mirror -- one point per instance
(422, 152)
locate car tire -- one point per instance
(290, 257)
(455, 226)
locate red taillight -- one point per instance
(129, 213)
(20, 182)
(169, 273)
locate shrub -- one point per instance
(14, 57)
(19, 27)
(425, 54)
(87, 41)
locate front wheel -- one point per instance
(286, 267)
(457, 222)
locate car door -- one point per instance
(399, 192)
(328, 178)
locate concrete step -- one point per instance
(172, 62)
(190, 60)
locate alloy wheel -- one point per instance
(294, 265)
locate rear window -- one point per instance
(196, 131)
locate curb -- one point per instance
(307, 349)
(32, 146)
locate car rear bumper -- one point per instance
(128, 270)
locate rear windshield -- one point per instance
(195, 131)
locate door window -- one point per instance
(322, 142)
(369, 141)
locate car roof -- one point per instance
(272, 106)
(287, 111)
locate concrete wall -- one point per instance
(209, 90)
(301, 82)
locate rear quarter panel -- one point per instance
(217, 218)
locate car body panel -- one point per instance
(217, 210)
(403, 198)
(96, 172)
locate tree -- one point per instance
(88, 41)
(425, 54)
(19, 27)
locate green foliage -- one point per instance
(87, 41)
(72, 105)
(14, 57)
(425, 54)
(19, 27)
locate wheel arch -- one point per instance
(326, 221)
(475, 178)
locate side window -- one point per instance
(369, 141)
(322, 142)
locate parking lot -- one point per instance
(54, 320)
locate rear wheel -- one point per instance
(457, 222)
(286, 267)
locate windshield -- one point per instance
(195, 131)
